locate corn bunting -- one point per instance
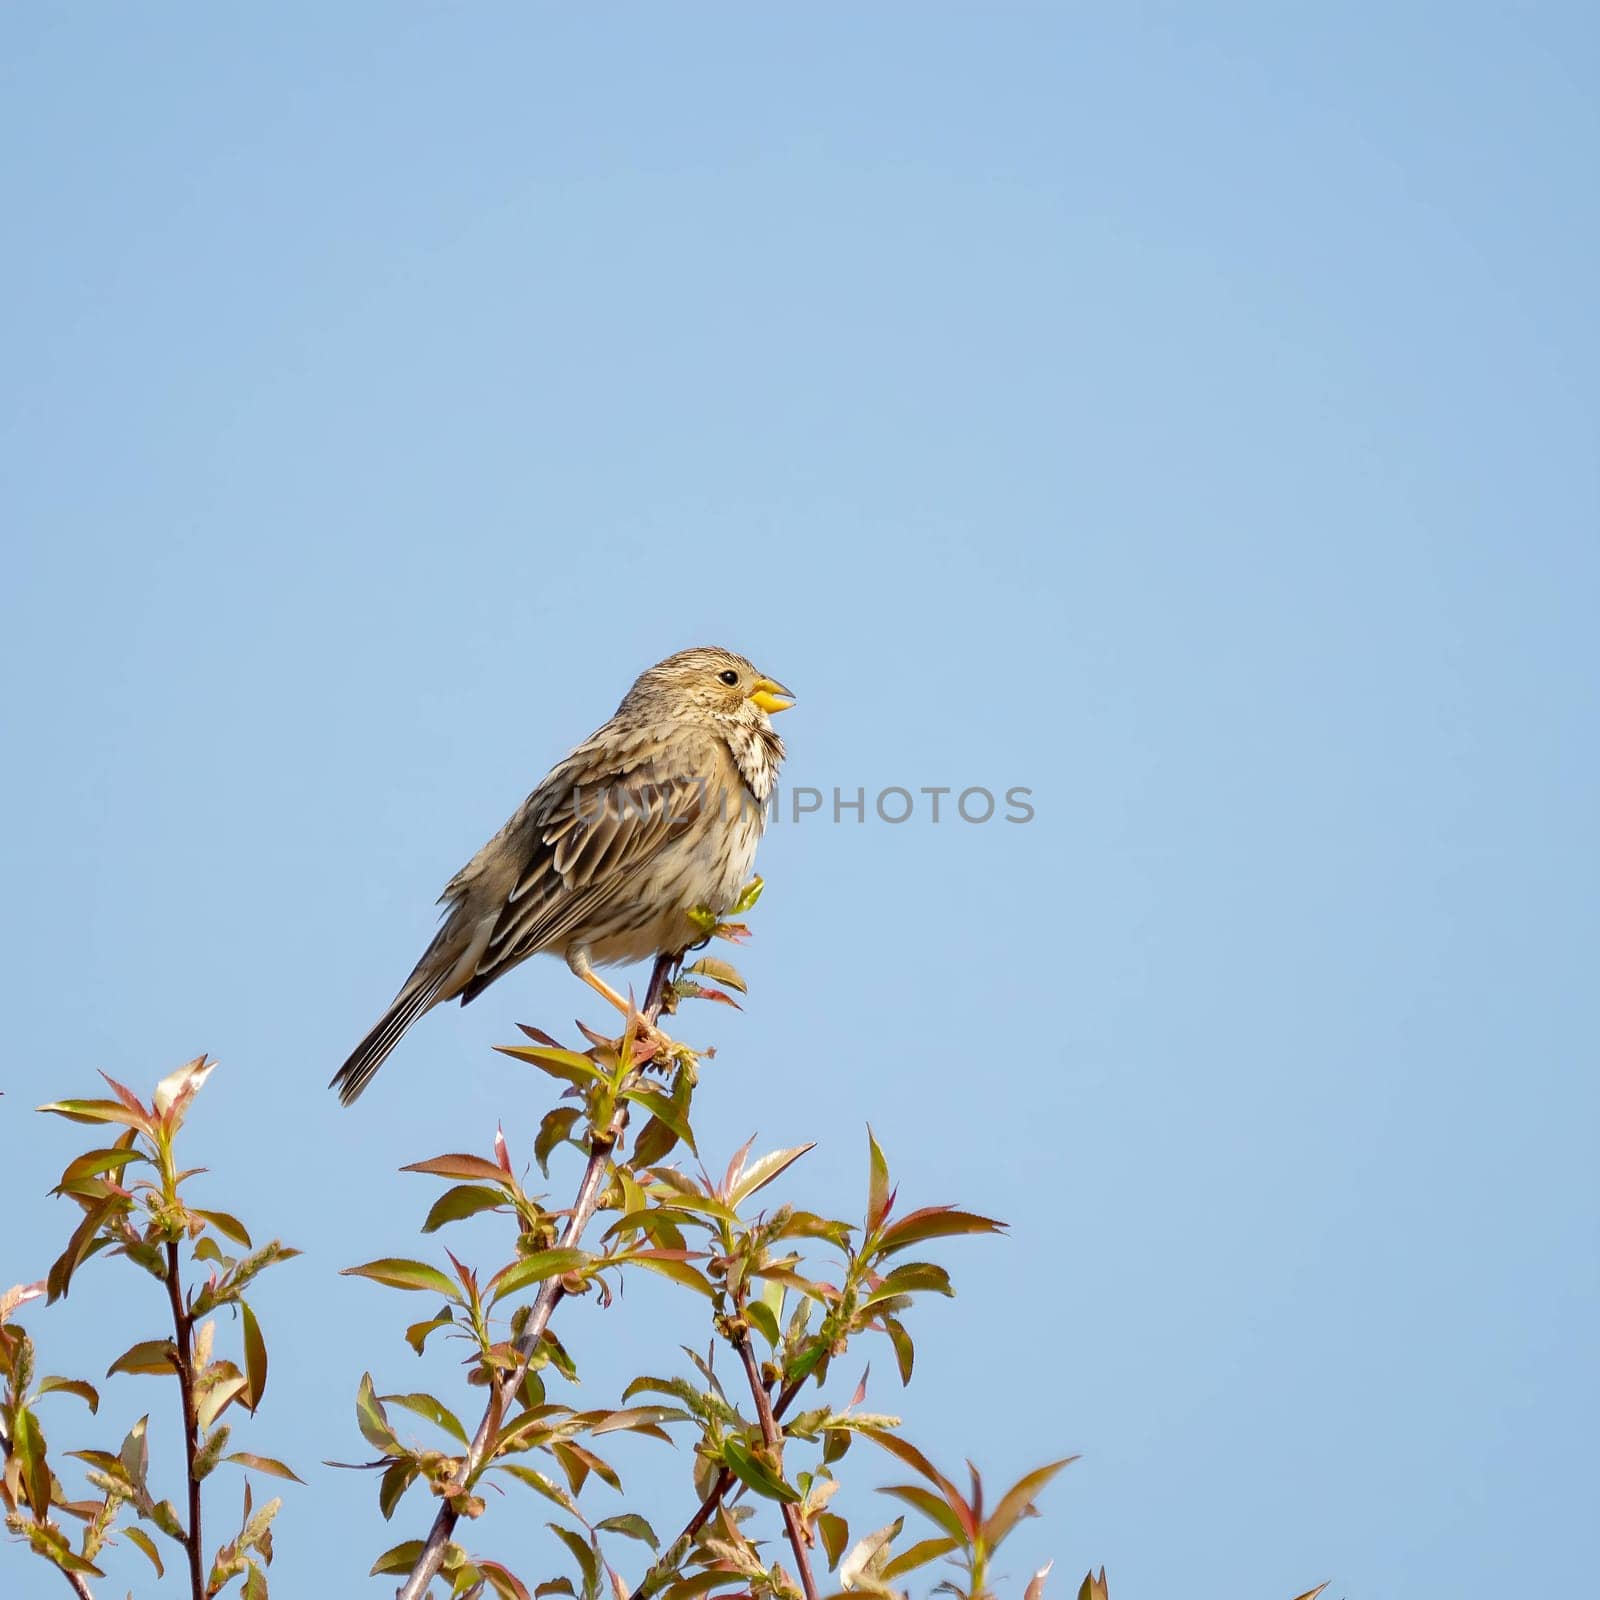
(655, 813)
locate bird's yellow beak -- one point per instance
(771, 696)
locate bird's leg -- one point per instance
(578, 961)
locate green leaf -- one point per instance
(755, 1474)
(402, 1274)
(655, 1141)
(143, 1541)
(583, 1554)
(243, 1458)
(664, 1110)
(464, 1200)
(399, 1558)
(96, 1163)
(747, 897)
(47, 1540)
(86, 1392)
(255, 1358)
(919, 1555)
(165, 1517)
(536, 1268)
(760, 1315)
(424, 1405)
(556, 1126)
(27, 1444)
(373, 1421)
(670, 1267)
(541, 1484)
(905, 1352)
(417, 1333)
(397, 1477)
(807, 1361)
(720, 972)
(229, 1226)
(155, 1356)
(631, 1525)
(567, 1065)
(915, 1277)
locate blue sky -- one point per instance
(1188, 413)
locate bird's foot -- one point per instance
(647, 1047)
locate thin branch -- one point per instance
(80, 1584)
(183, 1330)
(502, 1393)
(672, 1557)
(773, 1434)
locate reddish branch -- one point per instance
(183, 1331)
(708, 1507)
(773, 1434)
(502, 1393)
(80, 1584)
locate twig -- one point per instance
(550, 1291)
(708, 1507)
(773, 1434)
(183, 1329)
(80, 1584)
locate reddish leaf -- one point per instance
(934, 1222)
(1018, 1500)
(879, 1199)
(243, 1458)
(458, 1166)
(914, 1458)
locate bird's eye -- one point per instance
(729, 677)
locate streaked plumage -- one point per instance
(656, 812)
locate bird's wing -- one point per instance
(591, 829)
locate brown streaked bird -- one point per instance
(653, 814)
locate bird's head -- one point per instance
(709, 681)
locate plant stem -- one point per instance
(773, 1434)
(183, 1329)
(502, 1393)
(708, 1507)
(80, 1584)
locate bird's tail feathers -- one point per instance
(419, 993)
